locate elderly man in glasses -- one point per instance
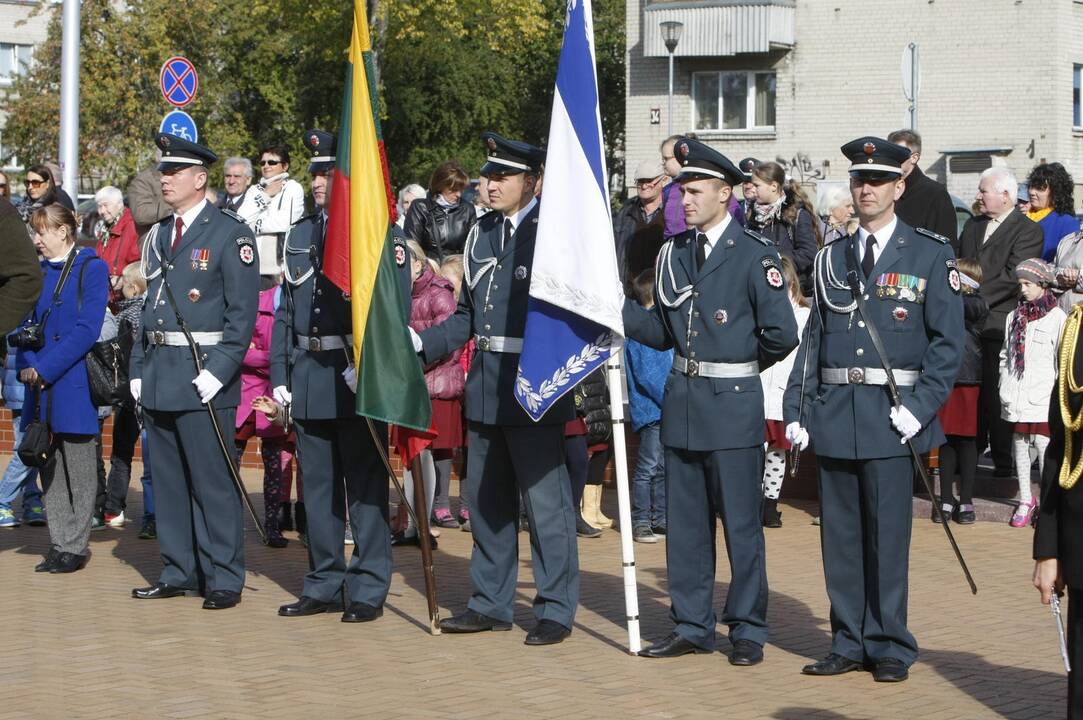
(638, 228)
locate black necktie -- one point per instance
(701, 250)
(869, 258)
(508, 229)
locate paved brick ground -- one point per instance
(79, 647)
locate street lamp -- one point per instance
(671, 35)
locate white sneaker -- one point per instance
(115, 521)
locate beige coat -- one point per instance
(776, 377)
(1070, 255)
(1026, 399)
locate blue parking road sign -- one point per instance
(178, 81)
(180, 124)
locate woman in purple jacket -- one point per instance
(69, 312)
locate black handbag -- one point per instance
(37, 445)
(106, 371)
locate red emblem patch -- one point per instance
(869, 148)
(682, 150)
(900, 313)
(164, 141)
(953, 280)
(314, 141)
(491, 143)
(400, 255)
(774, 278)
(246, 254)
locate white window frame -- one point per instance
(750, 102)
(1077, 102)
(13, 48)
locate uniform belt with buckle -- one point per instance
(499, 344)
(318, 343)
(175, 338)
(867, 376)
(697, 368)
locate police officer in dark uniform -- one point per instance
(908, 280)
(722, 303)
(200, 263)
(312, 372)
(510, 454)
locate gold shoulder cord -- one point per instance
(1069, 474)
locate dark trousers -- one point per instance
(958, 455)
(866, 515)
(200, 521)
(125, 435)
(506, 462)
(343, 471)
(993, 432)
(700, 487)
(575, 459)
(1075, 654)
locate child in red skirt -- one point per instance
(774, 380)
(959, 415)
(1028, 370)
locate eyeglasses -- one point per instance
(35, 183)
(270, 162)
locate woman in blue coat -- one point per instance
(56, 378)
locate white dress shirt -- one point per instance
(883, 236)
(714, 234)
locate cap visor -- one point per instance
(167, 166)
(493, 168)
(688, 176)
(875, 174)
(321, 167)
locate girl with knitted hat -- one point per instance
(1028, 369)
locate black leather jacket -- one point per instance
(975, 310)
(440, 231)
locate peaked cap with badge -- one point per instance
(321, 146)
(510, 157)
(699, 161)
(747, 165)
(178, 153)
(874, 158)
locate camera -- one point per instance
(28, 337)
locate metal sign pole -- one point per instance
(69, 99)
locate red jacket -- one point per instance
(121, 246)
(433, 302)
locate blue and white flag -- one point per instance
(574, 313)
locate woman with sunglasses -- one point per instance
(40, 192)
(282, 199)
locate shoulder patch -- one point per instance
(758, 238)
(935, 236)
(231, 213)
(955, 283)
(400, 254)
(772, 273)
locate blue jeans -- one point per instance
(148, 487)
(19, 477)
(648, 481)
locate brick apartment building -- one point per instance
(791, 80)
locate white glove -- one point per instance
(350, 376)
(207, 386)
(797, 435)
(416, 339)
(904, 423)
(281, 395)
(136, 386)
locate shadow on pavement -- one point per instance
(995, 685)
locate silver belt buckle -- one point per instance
(159, 337)
(856, 376)
(691, 368)
(483, 343)
(314, 344)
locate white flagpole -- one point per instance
(624, 503)
(69, 99)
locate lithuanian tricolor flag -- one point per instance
(360, 255)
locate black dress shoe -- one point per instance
(472, 622)
(833, 664)
(772, 518)
(673, 646)
(68, 563)
(547, 632)
(159, 591)
(890, 670)
(361, 612)
(277, 541)
(48, 561)
(745, 653)
(402, 539)
(309, 606)
(221, 600)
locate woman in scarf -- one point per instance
(780, 215)
(41, 190)
(1050, 188)
(441, 222)
(1028, 369)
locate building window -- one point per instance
(14, 61)
(1077, 112)
(733, 100)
